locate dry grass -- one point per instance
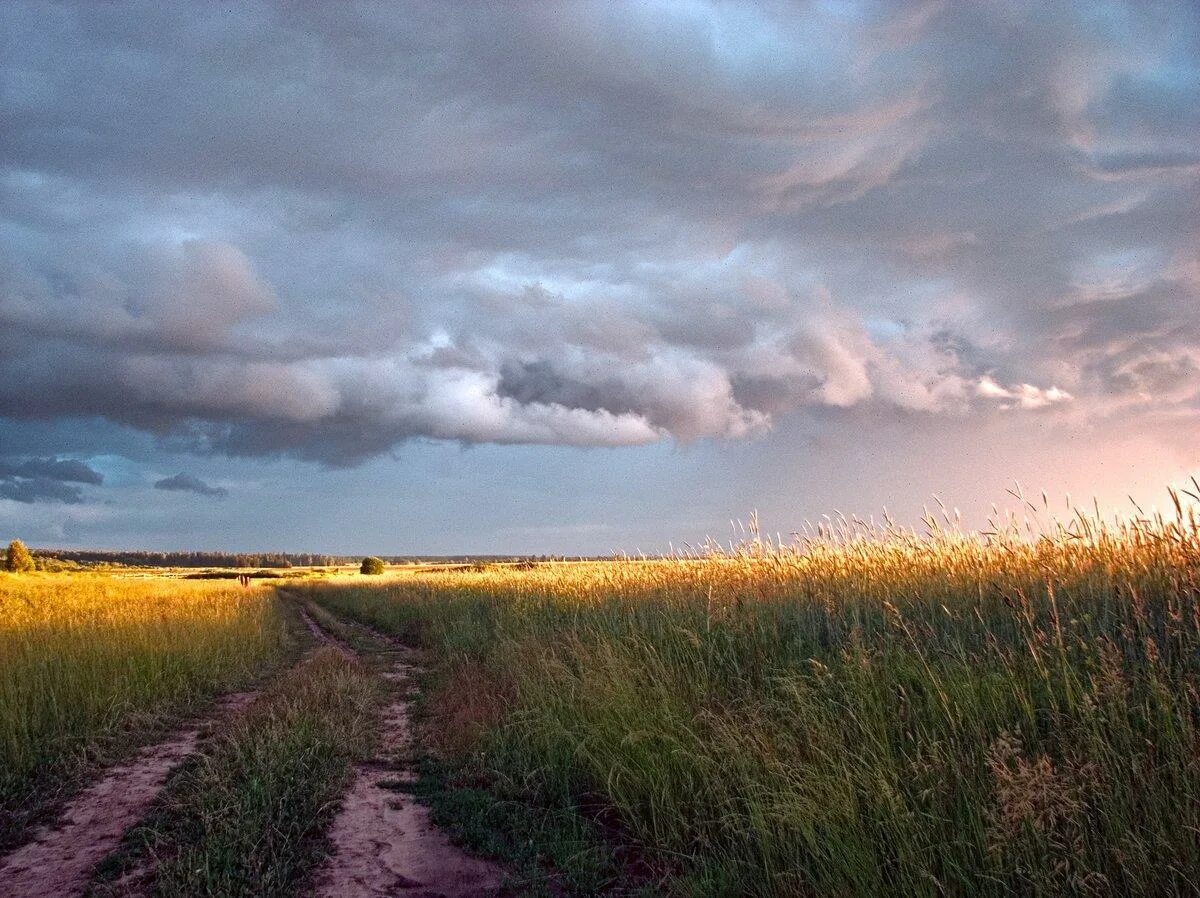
(92, 664)
(866, 711)
(466, 704)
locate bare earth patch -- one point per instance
(59, 858)
(384, 842)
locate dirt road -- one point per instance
(57, 861)
(384, 842)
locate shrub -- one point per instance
(372, 565)
(19, 558)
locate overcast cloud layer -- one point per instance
(319, 231)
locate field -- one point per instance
(870, 712)
(865, 711)
(92, 666)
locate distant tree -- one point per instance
(372, 565)
(19, 558)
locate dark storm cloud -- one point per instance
(36, 479)
(40, 489)
(188, 483)
(67, 470)
(320, 230)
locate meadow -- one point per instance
(864, 710)
(93, 665)
(868, 710)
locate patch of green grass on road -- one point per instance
(246, 816)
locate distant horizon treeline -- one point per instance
(141, 558)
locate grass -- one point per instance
(245, 817)
(547, 850)
(92, 665)
(867, 711)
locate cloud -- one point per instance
(39, 479)
(184, 298)
(605, 225)
(1025, 396)
(40, 489)
(68, 470)
(189, 483)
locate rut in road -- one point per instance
(58, 859)
(384, 842)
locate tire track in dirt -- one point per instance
(384, 842)
(321, 636)
(59, 858)
(138, 880)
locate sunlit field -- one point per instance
(91, 664)
(866, 711)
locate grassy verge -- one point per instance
(92, 666)
(547, 849)
(245, 817)
(868, 713)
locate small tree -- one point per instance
(372, 565)
(19, 558)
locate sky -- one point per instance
(587, 277)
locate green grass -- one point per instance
(867, 713)
(92, 666)
(547, 850)
(246, 816)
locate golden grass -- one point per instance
(91, 663)
(868, 710)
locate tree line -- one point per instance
(196, 559)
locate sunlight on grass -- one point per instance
(89, 662)
(869, 710)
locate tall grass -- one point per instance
(867, 711)
(244, 817)
(90, 664)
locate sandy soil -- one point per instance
(58, 860)
(383, 840)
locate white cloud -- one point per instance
(1021, 396)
